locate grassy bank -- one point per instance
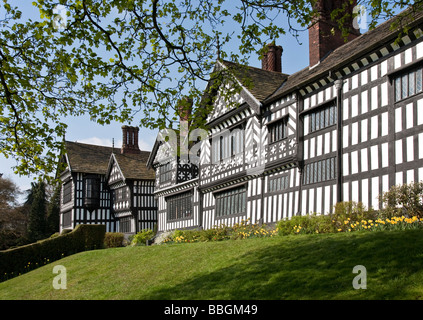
(292, 267)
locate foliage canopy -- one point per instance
(115, 59)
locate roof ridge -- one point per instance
(87, 144)
(256, 68)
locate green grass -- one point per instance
(293, 267)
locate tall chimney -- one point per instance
(130, 140)
(324, 33)
(272, 58)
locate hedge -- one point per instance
(19, 260)
(114, 239)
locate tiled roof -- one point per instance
(260, 83)
(347, 53)
(88, 158)
(133, 166)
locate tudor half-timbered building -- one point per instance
(347, 127)
(131, 185)
(85, 197)
(104, 185)
(176, 184)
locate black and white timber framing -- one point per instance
(346, 129)
(102, 185)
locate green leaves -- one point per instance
(125, 60)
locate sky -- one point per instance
(81, 129)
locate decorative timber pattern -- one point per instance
(346, 129)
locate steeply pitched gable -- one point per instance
(87, 158)
(133, 166)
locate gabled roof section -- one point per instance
(260, 83)
(87, 158)
(348, 53)
(153, 153)
(133, 166)
(256, 84)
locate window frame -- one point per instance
(67, 192)
(231, 202)
(274, 183)
(282, 124)
(183, 202)
(223, 144)
(322, 117)
(165, 172)
(402, 92)
(67, 219)
(313, 171)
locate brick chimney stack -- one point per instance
(324, 33)
(130, 140)
(272, 58)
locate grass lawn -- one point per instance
(293, 267)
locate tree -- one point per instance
(53, 212)
(13, 217)
(112, 59)
(37, 204)
(9, 193)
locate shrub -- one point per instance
(306, 224)
(246, 230)
(350, 212)
(403, 199)
(28, 257)
(141, 237)
(241, 230)
(344, 214)
(113, 239)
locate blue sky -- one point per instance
(81, 129)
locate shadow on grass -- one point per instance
(314, 267)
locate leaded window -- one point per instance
(67, 192)
(228, 144)
(231, 201)
(408, 84)
(179, 206)
(319, 171)
(92, 192)
(323, 117)
(278, 130)
(279, 183)
(67, 219)
(165, 172)
(125, 225)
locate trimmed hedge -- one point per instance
(114, 239)
(22, 259)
